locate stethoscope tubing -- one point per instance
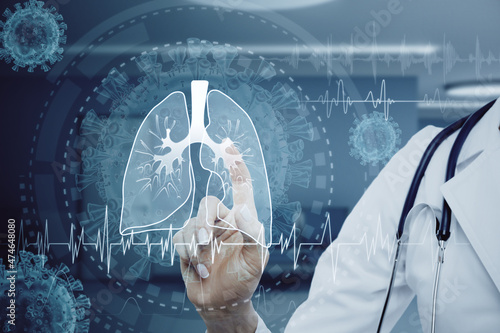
(443, 229)
(472, 120)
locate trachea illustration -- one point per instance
(159, 181)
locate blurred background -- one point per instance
(342, 84)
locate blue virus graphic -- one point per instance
(32, 36)
(273, 111)
(374, 139)
(45, 298)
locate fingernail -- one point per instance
(202, 236)
(202, 271)
(245, 214)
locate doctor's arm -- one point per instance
(351, 278)
(220, 283)
(350, 282)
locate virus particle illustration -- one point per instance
(374, 139)
(32, 36)
(45, 297)
(108, 135)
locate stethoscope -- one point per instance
(443, 228)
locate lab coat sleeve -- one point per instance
(351, 278)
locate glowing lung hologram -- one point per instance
(159, 182)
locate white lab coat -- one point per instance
(351, 278)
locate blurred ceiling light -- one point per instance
(264, 4)
(287, 49)
(418, 49)
(344, 49)
(474, 89)
(448, 104)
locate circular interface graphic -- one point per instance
(89, 121)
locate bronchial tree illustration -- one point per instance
(108, 135)
(159, 178)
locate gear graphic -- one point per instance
(374, 139)
(32, 35)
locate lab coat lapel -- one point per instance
(474, 193)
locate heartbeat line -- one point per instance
(101, 244)
(105, 248)
(370, 242)
(347, 55)
(344, 100)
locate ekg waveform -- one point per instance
(104, 247)
(343, 99)
(367, 242)
(347, 55)
(340, 98)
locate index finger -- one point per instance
(244, 209)
(240, 178)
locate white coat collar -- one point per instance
(485, 135)
(474, 193)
